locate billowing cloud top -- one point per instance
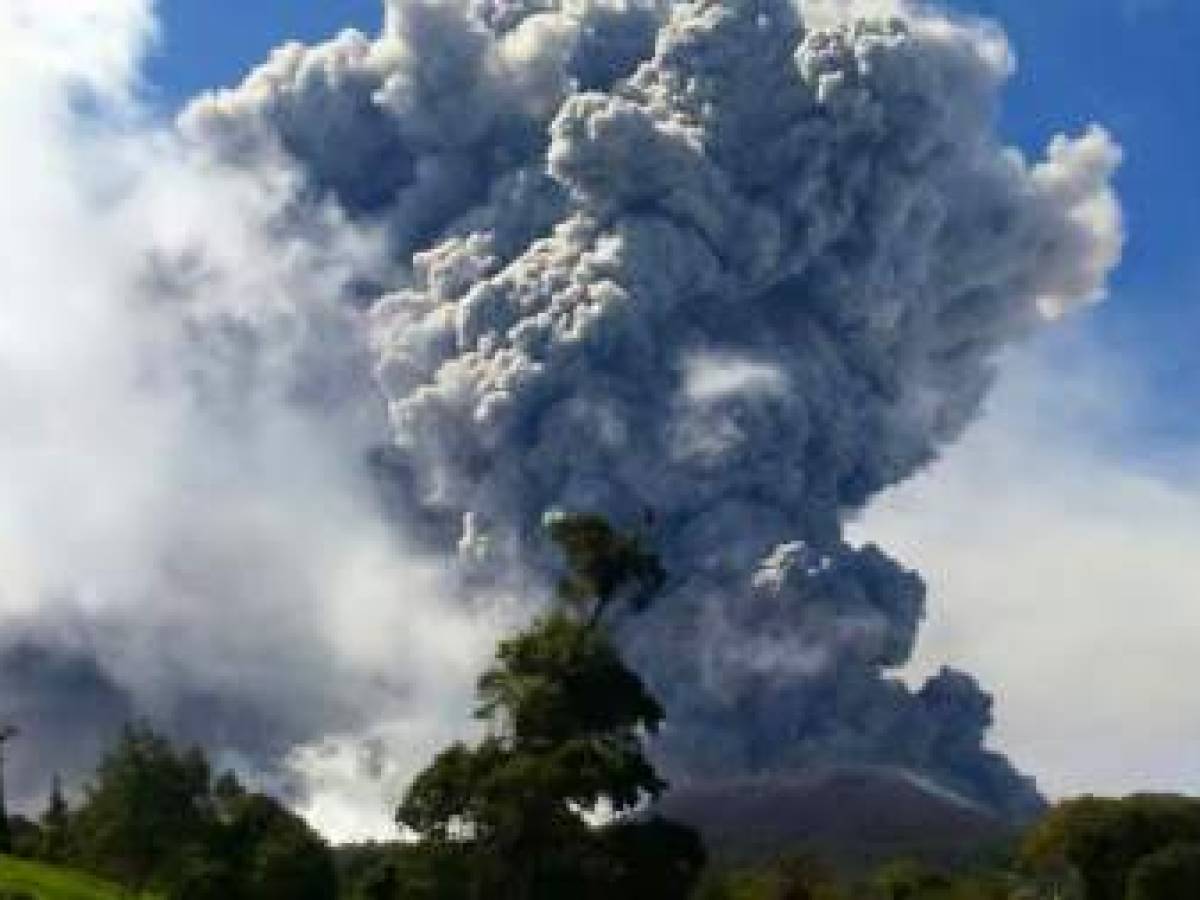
(719, 270)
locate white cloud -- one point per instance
(94, 44)
(1063, 574)
(181, 508)
(709, 377)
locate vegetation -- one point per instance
(154, 821)
(551, 803)
(509, 816)
(20, 878)
(1144, 847)
(1106, 849)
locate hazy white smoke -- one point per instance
(189, 528)
(719, 270)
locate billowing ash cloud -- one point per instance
(719, 270)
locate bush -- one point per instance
(1169, 874)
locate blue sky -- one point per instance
(1130, 64)
(208, 43)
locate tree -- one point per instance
(566, 719)
(652, 858)
(603, 565)
(156, 817)
(258, 850)
(196, 874)
(797, 876)
(909, 880)
(55, 842)
(1099, 841)
(276, 854)
(146, 804)
(26, 837)
(1167, 874)
(7, 733)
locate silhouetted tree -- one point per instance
(154, 817)
(567, 719)
(55, 843)
(1101, 840)
(146, 804)
(275, 853)
(26, 837)
(7, 733)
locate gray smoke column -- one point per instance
(721, 271)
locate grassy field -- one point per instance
(52, 883)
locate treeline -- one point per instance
(156, 819)
(1143, 847)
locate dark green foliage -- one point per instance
(275, 853)
(196, 874)
(908, 880)
(8, 731)
(603, 565)
(55, 838)
(652, 858)
(259, 849)
(1167, 874)
(503, 818)
(427, 871)
(805, 876)
(380, 883)
(154, 817)
(795, 877)
(26, 837)
(439, 871)
(367, 871)
(569, 717)
(560, 680)
(146, 802)
(1100, 841)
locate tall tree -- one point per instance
(155, 817)
(7, 733)
(145, 804)
(55, 844)
(273, 852)
(566, 719)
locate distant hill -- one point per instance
(21, 878)
(854, 816)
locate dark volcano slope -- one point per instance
(852, 816)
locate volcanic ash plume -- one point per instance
(721, 271)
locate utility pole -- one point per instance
(7, 733)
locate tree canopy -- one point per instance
(566, 720)
(1101, 841)
(154, 816)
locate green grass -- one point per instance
(53, 883)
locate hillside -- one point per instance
(855, 816)
(21, 878)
